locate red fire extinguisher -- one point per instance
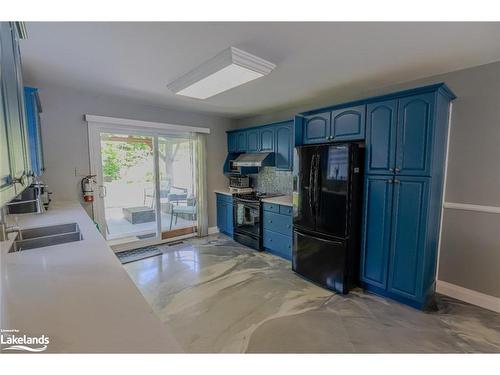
(87, 188)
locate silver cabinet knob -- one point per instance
(389, 181)
(397, 170)
(397, 181)
(391, 169)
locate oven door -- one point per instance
(246, 217)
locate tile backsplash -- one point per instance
(269, 180)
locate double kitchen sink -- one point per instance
(34, 238)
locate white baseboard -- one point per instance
(467, 295)
(213, 230)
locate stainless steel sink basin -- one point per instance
(35, 238)
(49, 231)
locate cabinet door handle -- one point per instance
(397, 170)
(397, 181)
(391, 169)
(270, 221)
(18, 180)
(389, 181)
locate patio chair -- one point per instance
(189, 209)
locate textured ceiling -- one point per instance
(137, 60)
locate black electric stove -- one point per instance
(246, 218)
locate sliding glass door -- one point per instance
(146, 185)
(177, 185)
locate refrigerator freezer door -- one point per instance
(320, 260)
(332, 216)
(304, 216)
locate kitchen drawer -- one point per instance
(286, 210)
(271, 207)
(224, 198)
(278, 223)
(278, 244)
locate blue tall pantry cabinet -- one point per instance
(406, 139)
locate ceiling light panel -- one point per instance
(230, 68)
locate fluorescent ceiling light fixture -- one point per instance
(230, 68)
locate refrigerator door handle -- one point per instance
(311, 182)
(316, 185)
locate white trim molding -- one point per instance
(145, 124)
(472, 207)
(467, 295)
(213, 230)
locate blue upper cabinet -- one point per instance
(253, 140)
(414, 135)
(316, 128)
(376, 230)
(345, 124)
(241, 141)
(232, 142)
(410, 203)
(276, 137)
(348, 124)
(266, 135)
(381, 121)
(33, 110)
(284, 147)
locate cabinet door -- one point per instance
(381, 137)
(414, 135)
(14, 106)
(221, 215)
(33, 128)
(241, 141)
(232, 142)
(253, 144)
(377, 212)
(7, 190)
(408, 236)
(267, 139)
(348, 124)
(229, 218)
(284, 148)
(316, 128)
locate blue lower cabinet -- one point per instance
(376, 235)
(277, 244)
(393, 254)
(225, 213)
(408, 236)
(277, 229)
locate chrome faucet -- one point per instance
(6, 229)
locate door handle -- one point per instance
(102, 191)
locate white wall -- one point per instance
(65, 138)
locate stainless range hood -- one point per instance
(261, 159)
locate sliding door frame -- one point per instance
(100, 124)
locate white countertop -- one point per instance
(77, 293)
(225, 192)
(284, 200)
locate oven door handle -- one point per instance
(247, 201)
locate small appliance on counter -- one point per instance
(247, 218)
(239, 181)
(327, 213)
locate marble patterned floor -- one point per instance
(218, 296)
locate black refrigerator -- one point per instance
(328, 182)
